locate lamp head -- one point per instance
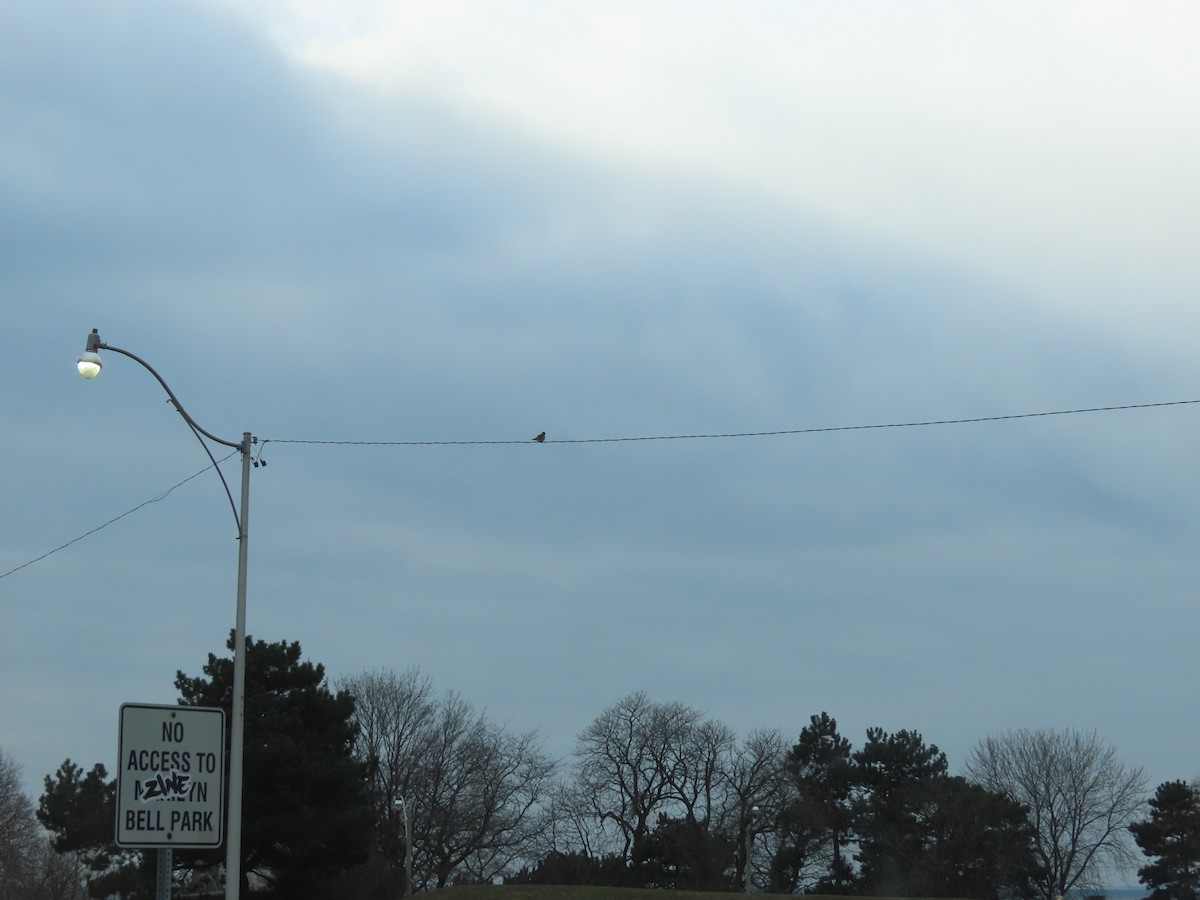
(89, 364)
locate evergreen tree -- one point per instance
(1171, 836)
(682, 855)
(816, 825)
(306, 814)
(895, 775)
(923, 833)
(973, 843)
(79, 810)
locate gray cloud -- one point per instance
(308, 261)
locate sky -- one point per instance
(435, 230)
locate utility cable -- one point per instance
(162, 496)
(741, 434)
(612, 440)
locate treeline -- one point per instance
(352, 789)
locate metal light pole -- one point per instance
(749, 845)
(89, 366)
(406, 813)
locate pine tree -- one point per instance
(818, 822)
(306, 813)
(1171, 837)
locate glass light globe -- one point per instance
(89, 364)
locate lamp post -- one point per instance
(89, 366)
(406, 814)
(749, 846)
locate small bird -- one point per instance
(541, 438)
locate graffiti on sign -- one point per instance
(171, 776)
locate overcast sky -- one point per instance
(475, 221)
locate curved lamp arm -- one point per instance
(89, 366)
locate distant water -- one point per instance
(1124, 892)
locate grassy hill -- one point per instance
(580, 892)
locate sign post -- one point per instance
(162, 880)
(171, 777)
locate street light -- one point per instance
(89, 366)
(749, 845)
(406, 813)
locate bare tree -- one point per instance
(29, 866)
(658, 784)
(629, 765)
(19, 832)
(573, 827)
(56, 876)
(756, 780)
(478, 797)
(1081, 799)
(481, 794)
(394, 714)
(700, 771)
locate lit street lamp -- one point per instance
(89, 366)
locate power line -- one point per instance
(741, 434)
(127, 512)
(615, 440)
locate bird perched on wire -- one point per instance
(541, 438)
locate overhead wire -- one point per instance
(162, 496)
(614, 440)
(736, 434)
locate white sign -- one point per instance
(171, 776)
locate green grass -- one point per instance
(573, 892)
(581, 892)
